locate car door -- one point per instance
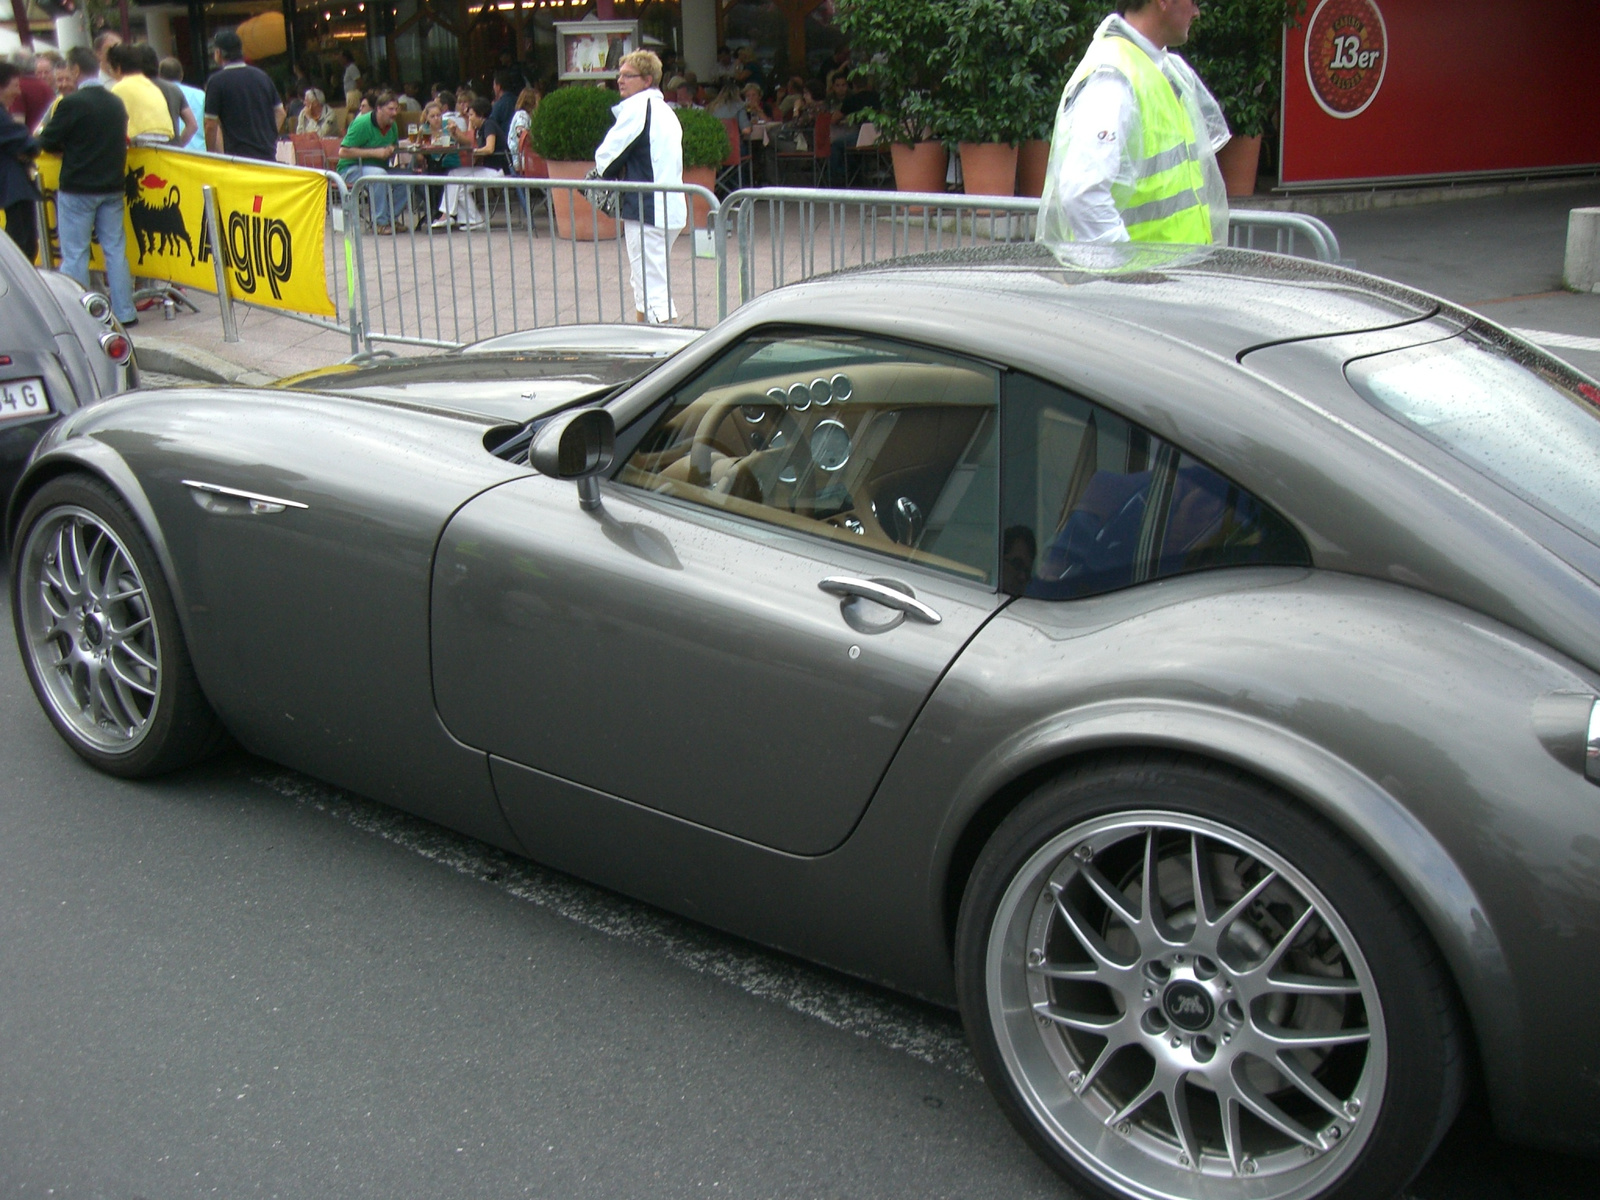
(795, 546)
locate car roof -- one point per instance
(1220, 300)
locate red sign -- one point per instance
(1426, 89)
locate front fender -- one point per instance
(61, 453)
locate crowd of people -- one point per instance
(449, 131)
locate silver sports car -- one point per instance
(1187, 667)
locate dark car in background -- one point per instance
(60, 348)
(1189, 667)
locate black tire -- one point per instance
(122, 730)
(1040, 878)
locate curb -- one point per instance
(1332, 204)
(168, 356)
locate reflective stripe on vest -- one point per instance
(1165, 202)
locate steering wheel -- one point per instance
(705, 436)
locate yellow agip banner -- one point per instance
(272, 226)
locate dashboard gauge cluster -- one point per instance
(829, 442)
(800, 396)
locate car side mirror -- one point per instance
(577, 445)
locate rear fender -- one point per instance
(1364, 811)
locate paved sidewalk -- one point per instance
(1501, 255)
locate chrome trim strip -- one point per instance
(256, 497)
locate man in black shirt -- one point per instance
(507, 83)
(243, 110)
(89, 129)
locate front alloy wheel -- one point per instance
(1170, 1005)
(91, 638)
(99, 634)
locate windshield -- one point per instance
(1534, 429)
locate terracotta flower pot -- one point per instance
(989, 168)
(575, 216)
(706, 177)
(1239, 161)
(1033, 157)
(919, 168)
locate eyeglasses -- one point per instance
(629, 75)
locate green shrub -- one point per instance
(705, 138)
(1237, 48)
(571, 122)
(1006, 63)
(903, 46)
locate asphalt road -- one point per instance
(239, 982)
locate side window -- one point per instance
(1095, 503)
(872, 443)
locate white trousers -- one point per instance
(450, 205)
(648, 247)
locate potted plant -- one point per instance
(1237, 48)
(1005, 64)
(1052, 69)
(705, 148)
(902, 45)
(567, 128)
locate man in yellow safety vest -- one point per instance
(1134, 152)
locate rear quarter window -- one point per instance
(1095, 503)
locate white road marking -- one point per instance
(831, 999)
(1560, 341)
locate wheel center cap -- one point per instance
(94, 629)
(1188, 1005)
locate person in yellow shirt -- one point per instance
(148, 112)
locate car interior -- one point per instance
(886, 447)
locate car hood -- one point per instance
(512, 387)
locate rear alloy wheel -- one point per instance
(1180, 985)
(100, 637)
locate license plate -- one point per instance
(22, 398)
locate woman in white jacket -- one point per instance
(646, 143)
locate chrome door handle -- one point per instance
(880, 593)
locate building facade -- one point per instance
(395, 42)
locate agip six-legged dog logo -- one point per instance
(157, 227)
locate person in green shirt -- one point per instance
(368, 146)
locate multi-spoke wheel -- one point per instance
(1182, 986)
(99, 635)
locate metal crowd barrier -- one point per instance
(1245, 224)
(780, 235)
(442, 287)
